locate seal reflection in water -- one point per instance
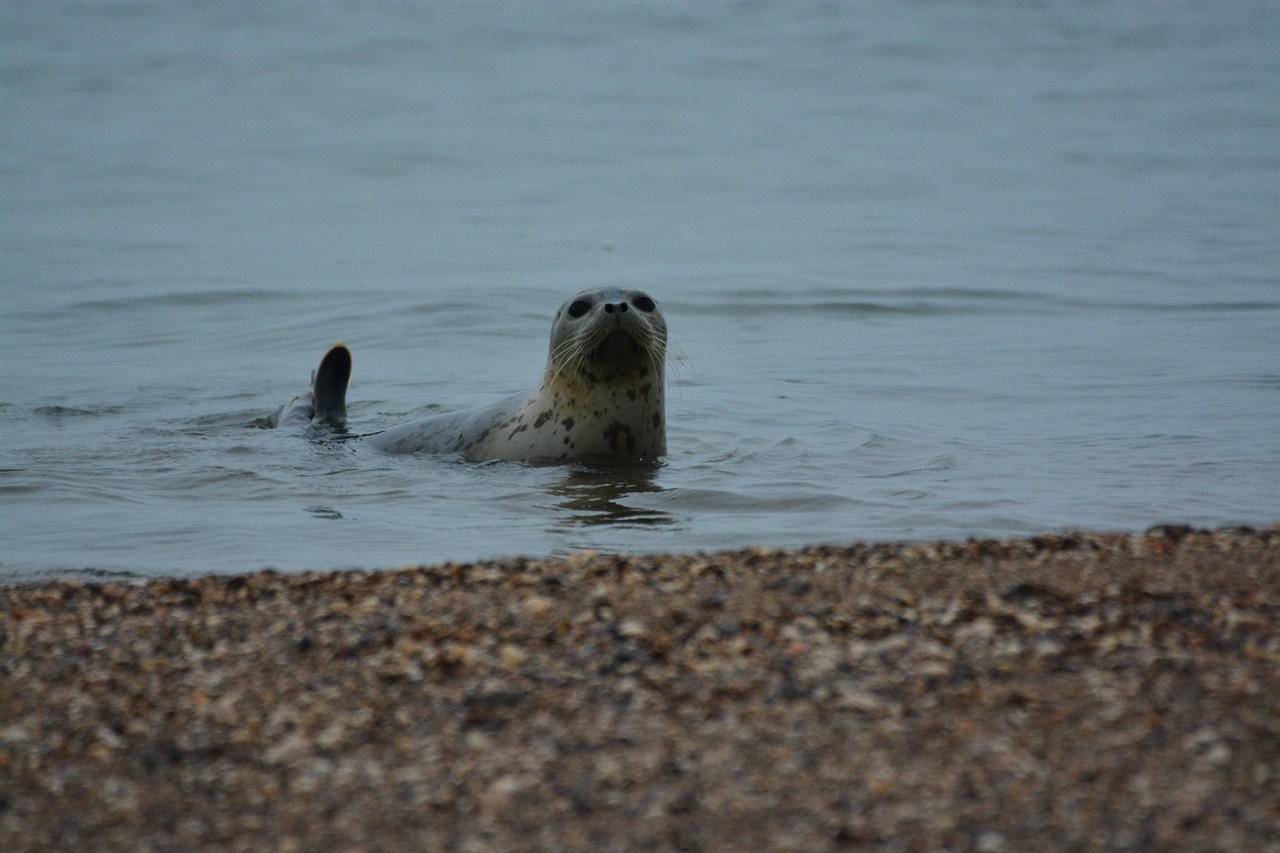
(601, 393)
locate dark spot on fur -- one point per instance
(517, 431)
(568, 423)
(631, 394)
(542, 419)
(645, 389)
(619, 435)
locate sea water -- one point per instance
(933, 270)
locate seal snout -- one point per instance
(615, 308)
(619, 346)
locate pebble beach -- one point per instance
(1067, 692)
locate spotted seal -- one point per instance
(601, 393)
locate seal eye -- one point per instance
(644, 303)
(577, 309)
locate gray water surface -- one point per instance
(935, 270)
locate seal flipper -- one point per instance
(326, 401)
(329, 386)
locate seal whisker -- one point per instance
(675, 358)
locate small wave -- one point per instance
(939, 463)
(175, 299)
(721, 500)
(61, 413)
(914, 301)
(87, 574)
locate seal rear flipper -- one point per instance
(329, 386)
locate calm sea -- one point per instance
(936, 270)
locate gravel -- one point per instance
(1067, 692)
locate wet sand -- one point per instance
(1072, 692)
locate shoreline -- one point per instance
(1068, 691)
